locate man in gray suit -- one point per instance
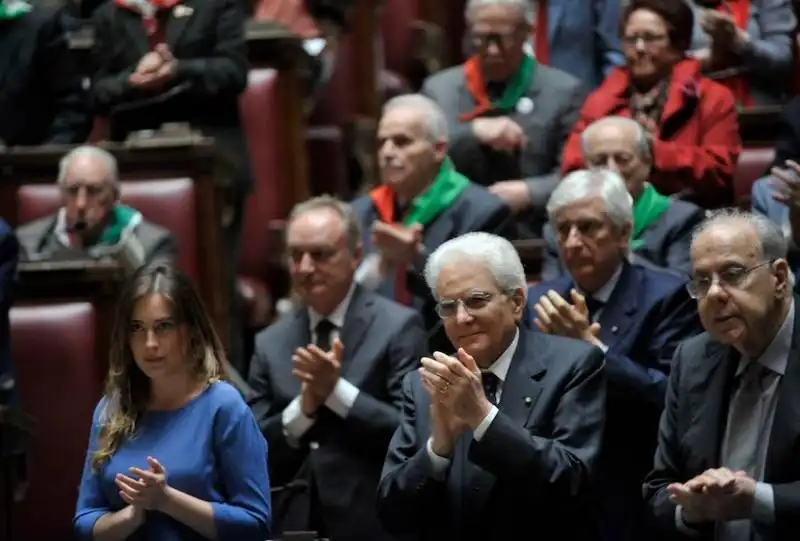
(509, 116)
(328, 380)
(92, 223)
(662, 226)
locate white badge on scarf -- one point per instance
(524, 105)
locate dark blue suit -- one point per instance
(647, 315)
(9, 254)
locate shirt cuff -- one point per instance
(295, 424)
(764, 504)
(342, 398)
(681, 524)
(440, 464)
(484, 426)
(603, 347)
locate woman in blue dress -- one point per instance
(174, 451)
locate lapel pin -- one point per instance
(182, 11)
(528, 400)
(525, 105)
(614, 329)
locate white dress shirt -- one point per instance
(344, 394)
(603, 294)
(500, 369)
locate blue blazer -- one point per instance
(648, 314)
(9, 255)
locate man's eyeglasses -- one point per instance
(733, 277)
(92, 190)
(472, 303)
(481, 41)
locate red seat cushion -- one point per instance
(752, 165)
(60, 376)
(169, 203)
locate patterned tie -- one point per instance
(491, 384)
(324, 329)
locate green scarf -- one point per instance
(444, 189)
(119, 220)
(516, 87)
(650, 206)
(13, 9)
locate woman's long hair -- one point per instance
(127, 387)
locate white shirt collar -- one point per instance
(604, 292)
(500, 367)
(337, 316)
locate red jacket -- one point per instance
(697, 144)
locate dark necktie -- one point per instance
(324, 330)
(491, 384)
(593, 306)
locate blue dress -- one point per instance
(211, 449)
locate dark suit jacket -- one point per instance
(41, 97)
(382, 342)
(212, 71)
(648, 314)
(9, 254)
(557, 99)
(693, 425)
(666, 242)
(474, 210)
(531, 469)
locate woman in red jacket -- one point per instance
(691, 119)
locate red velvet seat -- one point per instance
(752, 165)
(169, 203)
(59, 377)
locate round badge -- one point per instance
(524, 105)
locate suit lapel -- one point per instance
(180, 15)
(620, 308)
(440, 229)
(359, 317)
(522, 385)
(786, 425)
(297, 335)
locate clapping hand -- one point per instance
(499, 133)
(716, 495)
(318, 372)
(397, 244)
(786, 184)
(557, 316)
(457, 381)
(149, 491)
(155, 68)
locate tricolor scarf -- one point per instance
(428, 205)
(518, 84)
(120, 219)
(650, 206)
(148, 9)
(13, 9)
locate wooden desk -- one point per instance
(162, 158)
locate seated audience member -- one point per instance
(506, 432)
(42, 99)
(328, 376)
(776, 196)
(509, 115)
(691, 119)
(581, 42)
(662, 226)
(92, 222)
(727, 466)
(9, 255)
(747, 45)
(635, 313)
(423, 202)
(174, 451)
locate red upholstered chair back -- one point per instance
(752, 165)
(259, 110)
(58, 373)
(337, 101)
(169, 203)
(396, 21)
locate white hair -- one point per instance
(435, 121)
(774, 244)
(586, 183)
(495, 253)
(643, 142)
(525, 7)
(103, 155)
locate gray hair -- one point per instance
(497, 254)
(343, 210)
(90, 151)
(774, 244)
(643, 141)
(435, 121)
(525, 7)
(586, 183)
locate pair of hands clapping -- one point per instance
(716, 495)
(554, 315)
(318, 372)
(147, 490)
(155, 69)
